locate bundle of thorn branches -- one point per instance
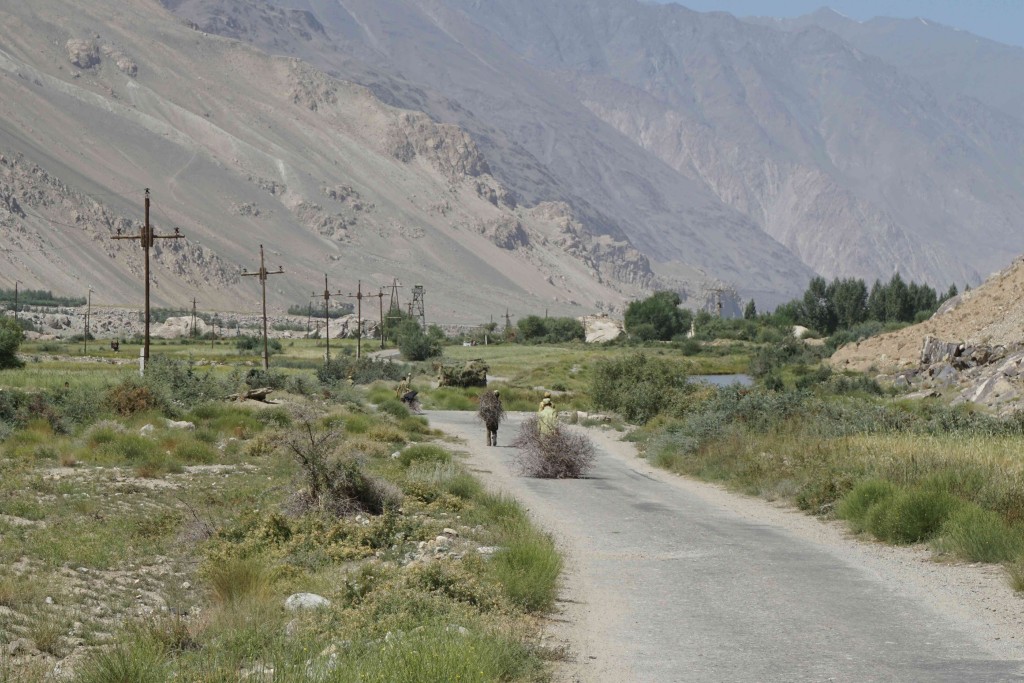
(558, 454)
(490, 412)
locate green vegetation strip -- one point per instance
(902, 471)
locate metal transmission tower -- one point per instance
(416, 306)
(395, 306)
(147, 238)
(326, 296)
(262, 274)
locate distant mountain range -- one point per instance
(559, 154)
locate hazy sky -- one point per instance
(1001, 20)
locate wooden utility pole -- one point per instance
(147, 238)
(262, 275)
(358, 296)
(327, 314)
(380, 296)
(88, 313)
(16, 283)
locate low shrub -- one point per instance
(386, 433)
(235, 579)
(131, 397)
(138, 660)
(129, 449)
(528, 566)
(357, 424)
(980, 535)
(638, 387)
(392, 406)
(854, 506)
(361, 370)
(910, 516)
(423, 453)
(195, 453)
(439, 653)
(158, 464)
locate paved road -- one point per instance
(664, 586)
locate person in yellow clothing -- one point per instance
(547, 418)
(547, 397)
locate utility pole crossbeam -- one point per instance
(147, 238)
(262, 274)
(326, 296)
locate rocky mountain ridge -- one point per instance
(567, 154)
(854, 163)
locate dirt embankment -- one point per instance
(991, 315)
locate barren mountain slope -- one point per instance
(541, 141)
(103, 99)
(992, 314)
(953, 61)
(853, 164)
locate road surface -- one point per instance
(671, 580)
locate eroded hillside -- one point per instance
(241, 148)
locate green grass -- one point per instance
(240, 578)
(528, 566)
(234, 537)
(910, 516)
(854, 506)
(423, 453)
(140, 660)
(437, 654)
(977, 535)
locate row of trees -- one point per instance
(38, 297)
(316, 310)
(845, 303)
(826, 307)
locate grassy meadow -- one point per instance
(136, 548)
(132, 549)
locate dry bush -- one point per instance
(334, 481)
(560, 454)
(129, 398)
